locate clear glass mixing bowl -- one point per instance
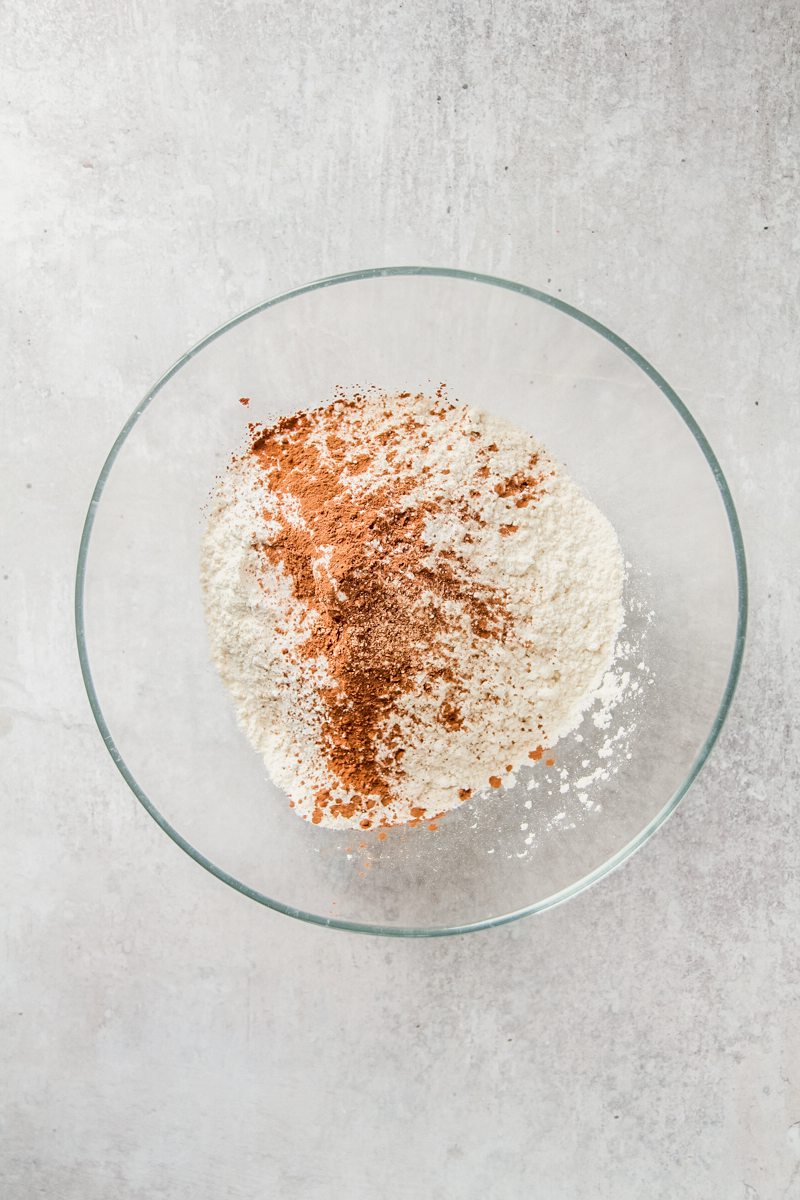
(622, 433)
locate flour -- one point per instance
(408, 600)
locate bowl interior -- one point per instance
(622, 435)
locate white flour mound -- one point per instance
(553, 559)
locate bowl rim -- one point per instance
(667, 809)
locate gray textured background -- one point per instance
(162, 1035)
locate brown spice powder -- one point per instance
(377, 610)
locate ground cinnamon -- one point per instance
(378, 604)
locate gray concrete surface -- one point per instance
(166, 166)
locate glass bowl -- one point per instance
(624, 436)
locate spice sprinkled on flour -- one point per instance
(408, 599)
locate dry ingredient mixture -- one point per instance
(408, 600)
